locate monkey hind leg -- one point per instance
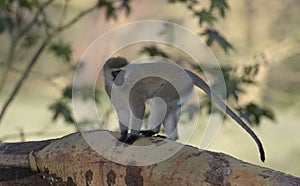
(158, 111)
(170, 123)
(124, 134)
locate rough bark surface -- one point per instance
(71, 161)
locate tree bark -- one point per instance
(71, 161)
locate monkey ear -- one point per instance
(119, 79)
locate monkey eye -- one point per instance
(115, 74)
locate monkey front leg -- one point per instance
(171, 121)
(137, 116)
(124, 118)
(124, 132)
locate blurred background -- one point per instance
(256, 43)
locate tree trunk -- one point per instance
(71, 161)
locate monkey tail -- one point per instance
(204, 86)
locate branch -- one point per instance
(37, 55)
(33, 21)
(15, 40)
(75, 19)
(23, 77)
(70, 160)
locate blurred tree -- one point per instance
(31, 30)
(30, 27)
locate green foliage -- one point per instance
(6, 23)
(61, 50)
(30, 40)
(67, 92)
(190, 2)
(208, 16)
(125, 5)
(88, 92)
(220, 5)
(4, 4)
(205, 17)
(213, 35)
(236, 80)
(190, 112)
(153, 50)
(13, 16)
(28, 25)
(168, 32)
(111, 9)
(253, 113)
(28, 4)
(61, 108)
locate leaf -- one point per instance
(215, 36)
(110, 9)
(221, 5)
(88, 92)
(27, 4)
(153, 51)
(191, 111)
(6, 23)
(251, 70)
(205, 16)
(168, 32)
(253, 113)
(61, 109)
(125, 5)
(67, 92)
(30, 40)
(6, 4)
(2, 26)
(183, 1)
(62, 50)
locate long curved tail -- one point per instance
(204, 86)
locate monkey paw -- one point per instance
(148, 133)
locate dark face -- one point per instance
(115, 74)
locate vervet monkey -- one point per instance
(129, 86)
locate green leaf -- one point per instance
(183, 1)
(110, 9)
(6, 4)
(125, 5)
(27, 4)
(88, 92)
(251, 70)
(67, 92)
(61, 109)
(168, 32)
(30, 40)
(152, 50)
(2, 26)
(205, 16)
(213, 35)
(6, 23)
(253, 113)
(221, 5)
(62, 50)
